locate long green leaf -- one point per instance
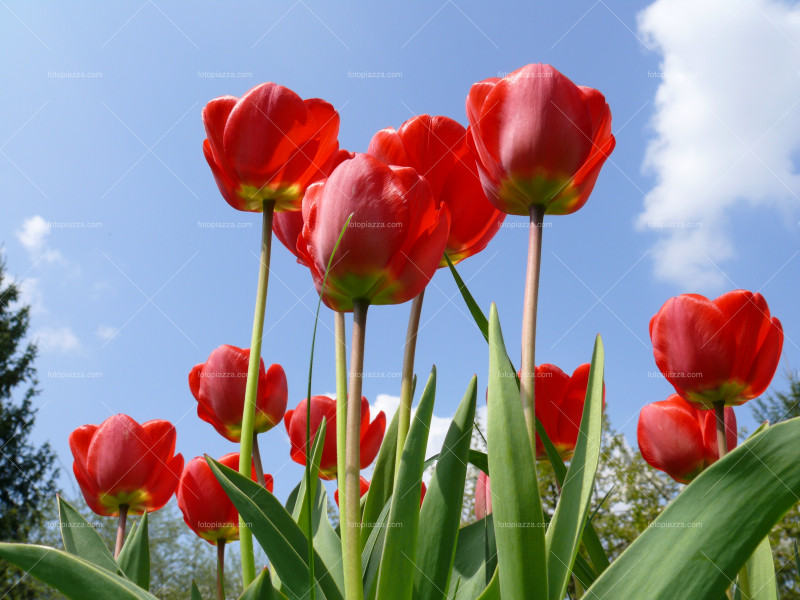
(517, 508)
(380, 488)
(74, 577)
(196, 591)
(81, 539)
(475, 560)
(692, 545)
(757, 578)
(396, 574)
(492, 591)
(280, 536)
(300, 511)
(371, 556)
(564, 534)
(134, 558)
(474, 309)
(438, 519)
(261, 589)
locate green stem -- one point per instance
(248, 417)
(527, 381)
(220, 569)
(257, 461)
(722, 435)
(406, 383)
(123, 519)
(352, 516)
(341, 417)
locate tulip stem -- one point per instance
(123, 519)
(257, 461)
(352, 517)
(406, 383)
(248, 417)
(722, 435)
(341, 417)
(220, 569)
(527, 381)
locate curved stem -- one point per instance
(220, 569)
(406, 383)
(352, 516)
(722, 435)
(257, 461)
(123, 519)
(341, 418)
(527, 380)
(248, 417)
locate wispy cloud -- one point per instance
(56, 339)
(33, 237)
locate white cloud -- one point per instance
(30, 293)
(33, 237)
(726, 125)
(106, 332)
(439, 425)
(61, 339)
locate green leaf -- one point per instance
(396, 574)
(757, 577)
(475, 560)
(196, 591)
(261, 589)
(280, 536)
(693, 545)
(437, 518)
(474, 309)
(479, 460)
(492, 591)
(371, 556)
(517, 508)
(564, 533)
(134, 558)
(380, 488)
(81, 538)
(300, 511)
(74, 577)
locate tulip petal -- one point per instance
(371, 440)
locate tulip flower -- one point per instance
(539, 139)
(436, 147)
(717, 352)
(121, 463)
(268, 145)
(322, 406)
(559, 407)
(540, 142)
(393, 243)
(483, 496)
(287, 226)
(206, 507)
(218, 385)
(678, 438)
(123, 467)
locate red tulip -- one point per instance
(218, 385)
(559, 406)
(720, 351)
(437, 148)
(393, 243)
(677, 438)
(206, 507)
(539, 139)
(322, 406)
(363, 485)
(287, 226)
(268, 145)
(124, 463)
(483, 496)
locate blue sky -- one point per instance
(136, 268)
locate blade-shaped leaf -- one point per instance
(74, 577)
(261, 589)
(196, 591)
(396, 574)
(492, 591)
(134, 558)
(280, 536)
(564, 533)
(475, 560)
(371, 556)
(380, 488)
(757, 578)
(474, 309)
(759, 479)
(300, 510)
(517, 508)
(436, 549)
(81, 538)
